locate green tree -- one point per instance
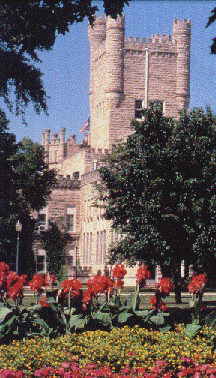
(212, 19)
(8, 192)
(26, 183)
(29, 26)
(54, 242)
(159, 190)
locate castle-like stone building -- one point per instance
(125, 75)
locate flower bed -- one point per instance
(123, 350)
(153, 346)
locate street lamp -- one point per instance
(18, 230)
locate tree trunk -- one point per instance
(177, 281)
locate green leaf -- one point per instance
(192, 329)
(116, 301)
(4, 311)
(103, 317)
(210, 320)
(133, 302)
(157, 319)
(165, 329)
(68, 311)
(124, 316)
(7, 329)
(43, 325)
(141, 313)
(77, 322)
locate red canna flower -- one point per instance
(36, 283)
(165, 285)
(4, 270)
(153, 301)
(16, 290)
(162, 306)
(49, 279)
(119, 283)
(100, 284)
(12, 278)
(43, 302)
(142, 274)
(119, 271)
(157, 303)
(72, 287)
(197, 284)
(87, 297)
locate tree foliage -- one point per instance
(26, 182)
(212, 19)
(29, 26)
(54, 242)
(160, 191)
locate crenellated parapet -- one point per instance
(67, 182)
(97, 32)
(164, 42)
(55, 147)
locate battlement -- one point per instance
(102, 19)
(119, 23)
(185, 22)
(67, 182)
(72, 140)
(136, 44)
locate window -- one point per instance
(160, 105)
(87, 247)
(97, 248)
(138, 108)
(69, 260)
(104, 246)
(71, 219)
(42, 219)
(69, 222)
(84, 249)
(139, 105)
(41, 261)
(90, 248)
(101, 248)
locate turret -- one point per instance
(181, 37)
(114, 57)
(97, 34)
(46, 139)
(62, 143)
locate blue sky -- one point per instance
(66, 67)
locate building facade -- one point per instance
(125, 75)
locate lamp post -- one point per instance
(18, 230)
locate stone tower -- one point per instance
(126, 74)
(181, 36)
